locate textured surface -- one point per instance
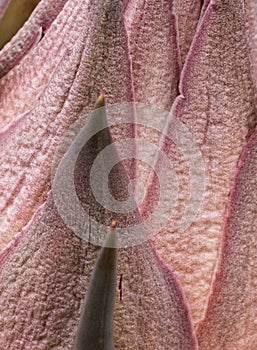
(153, 46)
(29, 34)
(28, 146)
(44, 279)
(231, 318)
(44, 276)
(97, 313)
(27, 80)
(188, 13)
(154, 51)
(251, 26)
(217, 107)
(16, 15)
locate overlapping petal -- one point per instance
(188, 14)
(44, 275)
(29, 35)
(28, 146)
(230, 321)
(251, 27)
(21, 87)
(152, 33)
(217, 107)
(46, 264)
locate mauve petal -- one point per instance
(151, 27)
(188, 13)
(29, 34)
(251, 24)
(152, 32)
(27, 80)
(99, 62)
(44, 276)
(205, 4)
(125, 4)
(230, 321)
(217, 107)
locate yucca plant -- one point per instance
(192, 61)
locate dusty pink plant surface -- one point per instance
(180, 290)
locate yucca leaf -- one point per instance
(95, 331)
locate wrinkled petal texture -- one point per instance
(29, 35)
(188, 13)
(47, 265)
(216, 105)
(26, 81)
(45, 277)
(230, 321)
(154, 51)
(251, 22)
(28, 146)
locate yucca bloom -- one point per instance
(181, 290)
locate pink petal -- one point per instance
(27, 80)
(216, 105)
(29, 35)
(251, 25)
(152, 32)
(44, 276)
(230, 321)
(44, 279)
(151, 27)
(188, 13)
(28, 146)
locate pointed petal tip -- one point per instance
(100, 101)
(113, 224)
(111, 240)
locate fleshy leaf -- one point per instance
(230, 321)
(44, 275)
(29, 34)
(27, 147)
(216, 105)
